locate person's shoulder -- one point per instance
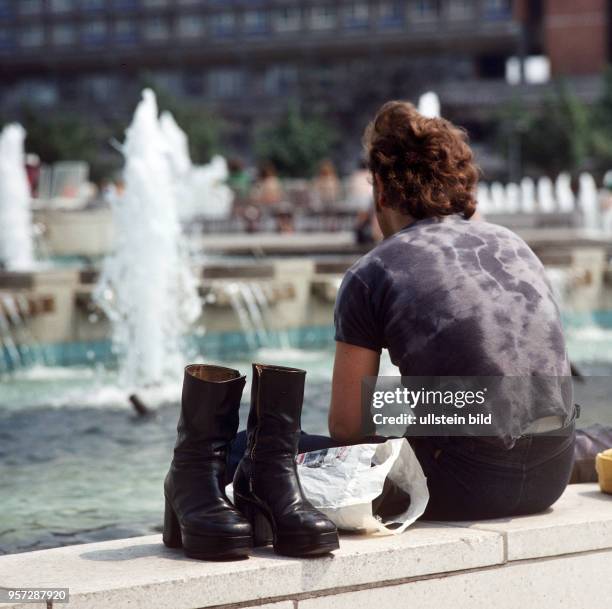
(370, 266)
(505, 240)
(501, 232)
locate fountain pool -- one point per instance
(78, 466)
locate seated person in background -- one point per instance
(359, 194)
(239, 179)
(326, 185)
(267, 190)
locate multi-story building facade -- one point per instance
(247, 58)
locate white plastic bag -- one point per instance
(342, 483)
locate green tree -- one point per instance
(602, 125)
(60, 136)
(295, 144)
(555, 137)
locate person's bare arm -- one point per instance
(350, 366)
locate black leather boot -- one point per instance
(267, 489)
(199, 517)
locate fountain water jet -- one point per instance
(513, 198)
(528, 198)
(563, 192)
(202, 189)
(16, 238)
(546, 195)
(498, 197)
(588, 199)
(429, 105)
(147, 287)
(484, 198)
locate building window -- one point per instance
(125, 32)
(357, 15)
(168, 80)
(156, 29)
(30, 7)
(192, 83)
(37, 92)
(424, 11)
(63, 34)
(391, 14)
(5, 8)
(93, 5)
(7, 40)
(255, 22)
(287, 19)
(497, 9)
(460, 9)
(94, 33)
(190, 26)
(323, 17)
(99, 89)
(280, 80)
(125, 5)
(225, 83)
(32, 36)
(62, 6)
(223, 24)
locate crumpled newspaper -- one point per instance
(342, 483)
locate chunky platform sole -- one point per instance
(298, 545)
(203, 547)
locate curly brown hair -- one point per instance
(425, 165)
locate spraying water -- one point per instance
(546, 195)
(498, 197)
(202, 189)
(528, 197)
(563, 192)
(589, 201)
(429, 105)
(209, 183)
(147, 287)
(513, 198)
(16, 242)
(485, 205)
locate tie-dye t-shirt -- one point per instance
(452, 297)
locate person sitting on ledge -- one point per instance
(447, 295)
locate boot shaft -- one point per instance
(209, 406)
(277, 394)
(266, 484)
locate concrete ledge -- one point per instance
(563, 554)
(580, 521)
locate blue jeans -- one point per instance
(472, 479)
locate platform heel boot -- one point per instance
(198, 515)
(266, 484)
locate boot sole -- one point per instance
(203, 547)
(307, 545)
(216, 548)
(295, 545)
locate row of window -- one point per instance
(35, 7)
(218, 83)
(354, 10)
(226, 24)
(221, 82)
